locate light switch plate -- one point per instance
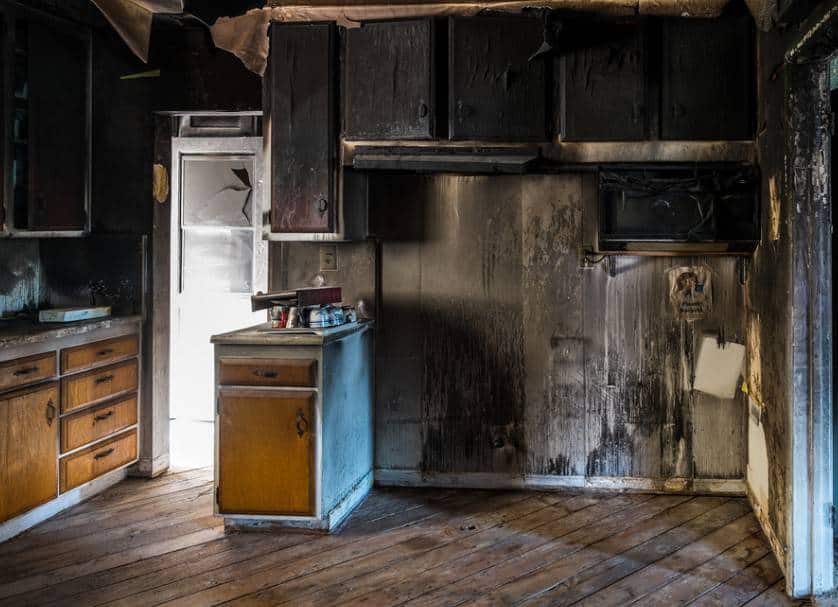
(328, 258)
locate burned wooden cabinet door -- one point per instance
(302, 134)
(388, 86)
(708, 79)
(496, 91)
(50, 125)
(603, 82)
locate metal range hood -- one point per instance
(441, 159)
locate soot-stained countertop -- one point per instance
(263, 335)
(24, 332)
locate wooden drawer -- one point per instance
(91, 463)
(23, 371)
(99, 353)
(88, 426)
(268, 372)
(95, 386)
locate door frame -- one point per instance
(810, 514)
(154, 447)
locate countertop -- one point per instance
(263, 335)
(24, 332)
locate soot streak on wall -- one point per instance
(768, 299)
(497, 353)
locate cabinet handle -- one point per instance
(105, 352)
(302, 423)
(104, 379)
(423, 110)
(102, 417)
(266, 374)
(322, 206)
(26, 371)
(463, 110)
(50, 412)
(103, 454)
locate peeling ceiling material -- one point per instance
(132, 19)
(246, 36)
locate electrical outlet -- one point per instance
(328, 258)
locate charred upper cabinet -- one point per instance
(603, 81)
(708, 79)
(302, 130)
(47, 124)
(496, 92)
(388, 84)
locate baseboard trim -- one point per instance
(481, 480)
(768, 529)
(329, 523)
(147, 467)
(26, 521)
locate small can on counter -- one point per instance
(293, 318)
(279, 317)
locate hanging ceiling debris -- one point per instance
(246, 35)
(132, 19)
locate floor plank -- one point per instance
(155, 542)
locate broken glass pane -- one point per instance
(217, 191)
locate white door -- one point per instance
(218, 259)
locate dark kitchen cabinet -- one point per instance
(48, 137)
(388, 84)
(708, 79)
(603, 76)
(496, 92)
(300, 97)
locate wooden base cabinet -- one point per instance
(28, 449)
(293, 426)
(266, 455)
(69, 415)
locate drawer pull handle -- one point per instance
(266, 374)
(103, 454)
(26, 371)
(50, 412)
(102, 417)
(104, 379)
(105, 352)
(302, 423)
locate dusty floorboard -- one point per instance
(156, 543)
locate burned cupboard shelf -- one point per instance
(48, 130)
(493, 94)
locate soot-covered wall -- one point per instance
(498, 352)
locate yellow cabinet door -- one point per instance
(28, 449)
(266, 452)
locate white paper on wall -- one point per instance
(719, 367)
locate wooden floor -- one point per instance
(156, 543)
